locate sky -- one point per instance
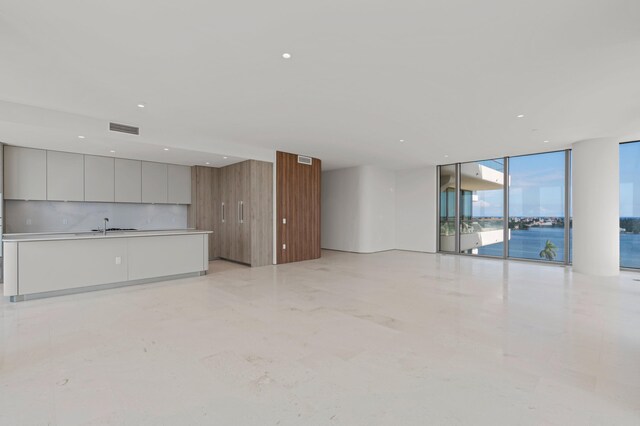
(630, 179)
(537, 186)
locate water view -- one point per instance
(528, 243)
(472, 195)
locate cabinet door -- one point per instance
(128, 181)
(261, 213)
(234, 238)
(99, 178)
(205, 204)
(225, 214)
(179, 184)
(65, 176)
(244, 198)
(154, 182)
(25, 173)
(214, 191)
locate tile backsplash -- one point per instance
(54, 216)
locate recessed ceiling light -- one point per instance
(446, 156)
(112, 151)
(166, 149)
(401, 140)
(141, 105)
(286, 55)
(225, 157)
(520, 116)
(81, 137)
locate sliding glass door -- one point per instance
(482, 207)
(630, 205)
(448, 207)
(536, 206)
(532, 191)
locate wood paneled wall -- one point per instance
(297, 201)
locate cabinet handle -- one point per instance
(223, 217)
(241, 211)
(239, 217)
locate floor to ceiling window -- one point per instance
(482, 207)
(630, 205)
(538, 191)
(448, 197)
(536, 206)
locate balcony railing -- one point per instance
(470, 226)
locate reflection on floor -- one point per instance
(389, 338)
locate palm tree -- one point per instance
(549, 252)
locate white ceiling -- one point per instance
(448, 77)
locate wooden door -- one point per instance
(261, 213)
(244, 200)
(214, 206)
(231, 239)
(297, 202)
(224, 204)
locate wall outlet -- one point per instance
(65, 221)
(284, 247)
(284, 220)
(28, 221)
(118, 260)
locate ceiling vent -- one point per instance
(305, 160)
(123, 128)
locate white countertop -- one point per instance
(95, 235)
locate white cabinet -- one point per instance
(154, 182)
(65, 176)
(25, 173)
(128, 181)
(179, 184)
(35, 174)
(99, 174)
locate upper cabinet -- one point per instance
(128, 181)
(65, 176)
(98, 178)
(25, 173)
(179, 184)
(154, 182)
(36, 174)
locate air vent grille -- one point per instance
(305, 160)
(123, 128)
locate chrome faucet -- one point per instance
(104, 231)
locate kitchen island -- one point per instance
(40, 265)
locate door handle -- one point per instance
(241, 211)
(222, 213)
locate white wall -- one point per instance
(358, 209)
(416, 215)
(367, 209)
(596, 207)
(53, 216)
(340, 211)
(377, 209)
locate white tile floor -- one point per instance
(394, 338)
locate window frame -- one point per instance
(505, 255)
